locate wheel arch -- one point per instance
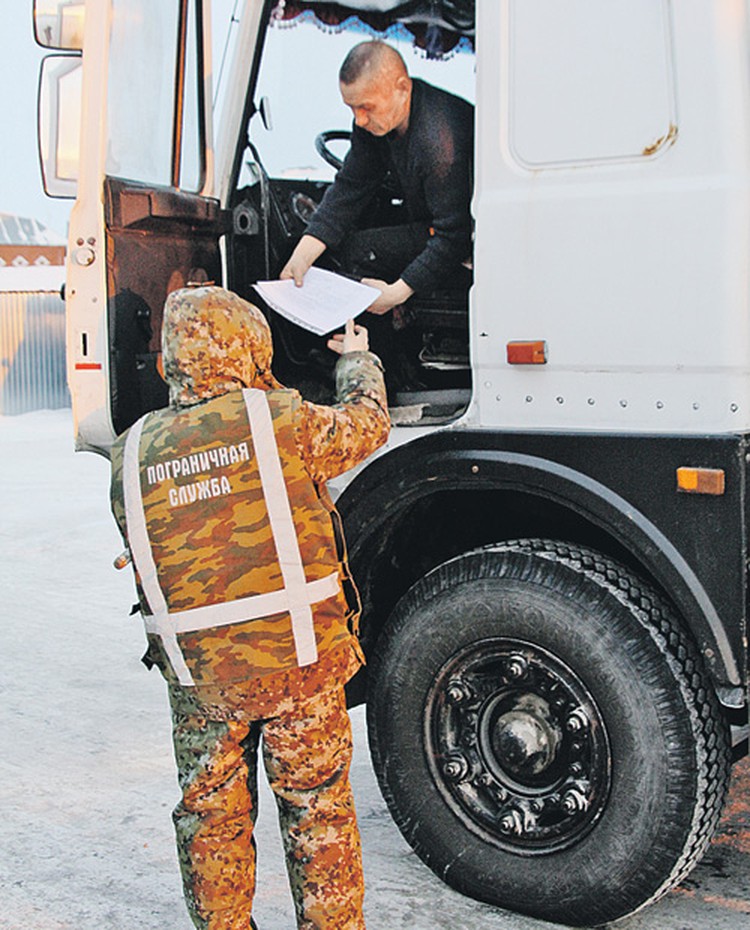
(431, 499)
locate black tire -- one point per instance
(544, 733)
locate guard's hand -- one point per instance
(353, 339)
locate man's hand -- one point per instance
(353, 339)
(391, 295)
(307, 251)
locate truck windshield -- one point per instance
(299, 77)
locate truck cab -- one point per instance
(552, 548)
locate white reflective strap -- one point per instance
(282, 525)
(296, 597)
(241, 610)
(140, 548)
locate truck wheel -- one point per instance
(544, 733)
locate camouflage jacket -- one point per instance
(212, 540)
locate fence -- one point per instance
(32, 352)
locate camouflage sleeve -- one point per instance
(333, 439)
(116, 498)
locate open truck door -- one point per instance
(145, 219)
(154, 198)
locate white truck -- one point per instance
(552, 549)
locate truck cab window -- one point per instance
(617, 104)
(143, 85)
(305, 99)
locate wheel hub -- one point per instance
(525, 738)
(518, 746)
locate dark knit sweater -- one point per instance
(433, 163)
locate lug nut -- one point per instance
(574, 801)
(511, 823)
(456, 768)
(516, 667)
(500, 793)
(577, 721)
(457, 692)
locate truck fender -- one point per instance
(403, 475)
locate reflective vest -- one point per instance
(234, 545)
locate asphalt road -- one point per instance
(86, 774)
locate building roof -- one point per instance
(20, 230)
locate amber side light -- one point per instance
(527, 353)
(700, 480)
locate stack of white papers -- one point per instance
(324, 302)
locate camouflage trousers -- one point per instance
(307, 750)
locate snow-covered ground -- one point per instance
(87, 779)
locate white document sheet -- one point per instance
(324, 302)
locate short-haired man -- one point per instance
(424, 136)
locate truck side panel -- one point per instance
(613, 168)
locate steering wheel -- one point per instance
(321, 145)
(390, 185)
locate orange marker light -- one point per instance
(527, 353)
(700, 480)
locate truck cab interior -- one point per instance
(297, 136)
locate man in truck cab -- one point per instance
(250, 612)
(421, 135)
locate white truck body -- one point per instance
(552, 549)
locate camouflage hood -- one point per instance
(213, 342)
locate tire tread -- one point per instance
(598, 573)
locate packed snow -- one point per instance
(87, 779)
